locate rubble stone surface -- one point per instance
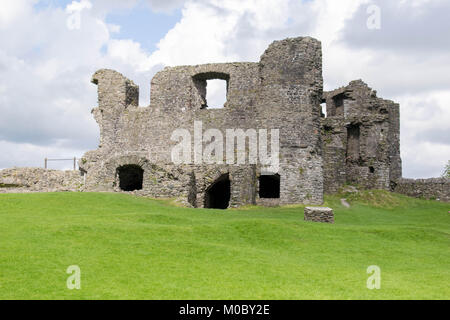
(319, 214)
(19, 180)
(434, 188)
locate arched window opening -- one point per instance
(218, 194)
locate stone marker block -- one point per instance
(319, 214)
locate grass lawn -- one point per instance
(136, 248)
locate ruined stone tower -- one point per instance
(361, 139)
(357, 142)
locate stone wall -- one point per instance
(283, 91)
(319, 214)
(17, 180)
(358, 142)
(361, 139)
(434, 188)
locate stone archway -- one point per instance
(218, 195)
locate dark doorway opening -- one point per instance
(338, 105)
(269, 186)
(130, 177)
(353, 143)
(218, 194)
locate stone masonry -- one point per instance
(361, 139)
(20, 180)
(357, 142)
(283, 91)
(319, 214)
(434, 188)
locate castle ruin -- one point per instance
(357, 141)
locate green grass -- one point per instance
(136, 248)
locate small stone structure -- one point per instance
(319, 214)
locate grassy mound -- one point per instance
(135, 248)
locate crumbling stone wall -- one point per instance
(18, 180)
(434, 188)
(361, 139)
(283, 91)
(358, 141)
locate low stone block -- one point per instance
(319, 214)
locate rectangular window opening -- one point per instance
(323, 110)
(269, 186)
(338, 105)
(216, 93)
(353, 142)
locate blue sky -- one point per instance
(44, 4)
(46, 95)
(139, 22)
(143, 25)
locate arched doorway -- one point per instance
(131, 177)
(218, 194)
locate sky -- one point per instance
(49, 50)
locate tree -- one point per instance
(446, 173)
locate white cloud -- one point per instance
(197, 38)
(425, 143)
(29, 155)
(12, 10)
(113, 28)
(129, 52)
(45, 78)
(77, 6)
(165, 5)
